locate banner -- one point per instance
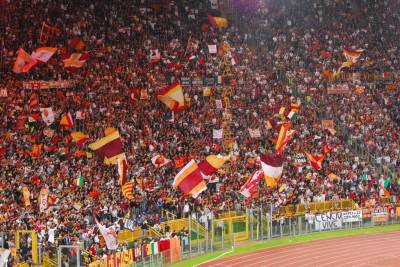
(339, 89)
(254, 133)
(119, 259)
(38, 85)
(352, 216)
(43, 196)
(218, 133)
(379, 215)
(328, 221)
(212, 49)
(26, 194)
(299, 158)
(186, 81)
(197, 81)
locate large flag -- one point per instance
(212, 163)
(272, 166)
(218, 22)
(109, 234)
(43, 54)
(159, 160)
(47, 115)
(122, 169)
(109, 148)
(315, 161)
(249, 188)
(127, 190)
(80, 138)
(75, 60)
(23, 62)
(172, 97)
(66, 120)
(190, 180)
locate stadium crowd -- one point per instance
(284, 52)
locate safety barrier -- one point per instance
(259, 223)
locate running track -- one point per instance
(381, 249)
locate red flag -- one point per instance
(315, 161)
(250, 187)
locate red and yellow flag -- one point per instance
(109, 148)
(66, 120)
(315, 161)
(172, 97)
(80, 138)
(218, 22)
(189, 180)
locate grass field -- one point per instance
(284, 241)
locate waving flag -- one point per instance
(75, 60)
(109, 148)
(47, 115)
(315, 161)
(109, 234)
(189, 180)
(33, 101)
(250, 187)
(80, 115)
(285, 135)
(172, 97)
(66, 120)
(272, 166)
(159, 161)
(43, 54)
(218, 22)
(352, 55)
(23, 62)
(127, 190)
(212, 163)
(77, 43)
(80, 138)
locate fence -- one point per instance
(256, 224)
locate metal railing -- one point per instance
(257, 224)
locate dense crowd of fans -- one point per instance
(279, 51)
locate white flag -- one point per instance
(47, 115)
(110, 236)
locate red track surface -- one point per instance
(382, 249)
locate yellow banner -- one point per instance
(26, 194)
